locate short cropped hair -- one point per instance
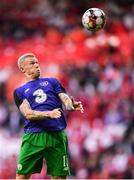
(23, 57)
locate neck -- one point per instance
(30, 79)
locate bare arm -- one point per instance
(70, 104)
(37, 115)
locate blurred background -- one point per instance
(96, 68)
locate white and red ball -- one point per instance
(94, 19)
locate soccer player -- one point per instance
(40, 101)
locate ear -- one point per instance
(22, 69)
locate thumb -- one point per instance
(72, 99)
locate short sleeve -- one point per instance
(58, 86)
(18, 101)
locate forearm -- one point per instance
(37, 115)
(66, 101)
(33, 114)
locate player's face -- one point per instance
(31, 68)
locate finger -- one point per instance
(77, 103)
(58, 112)
(72, 99)
(58, 109)
(58, 115)
(80, 108)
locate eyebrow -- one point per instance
(33, 60)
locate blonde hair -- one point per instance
(23, 57)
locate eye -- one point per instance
(32, 63)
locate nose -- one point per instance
(36, 65)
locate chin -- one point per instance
(36, 76)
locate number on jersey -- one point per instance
(40, 96)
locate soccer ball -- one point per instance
(93, 19)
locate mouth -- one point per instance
(38, 73)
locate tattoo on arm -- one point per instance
(30, 114)
(66, 101)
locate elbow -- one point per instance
(29, 116)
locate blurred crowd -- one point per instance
(96, 68)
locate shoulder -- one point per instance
(20, 89)
(18, 97)
(52, 79)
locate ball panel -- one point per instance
(99, 20)
(93, 19)
(97, 13)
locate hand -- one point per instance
(56, 113)
(77, 105)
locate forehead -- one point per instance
(30, 59)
